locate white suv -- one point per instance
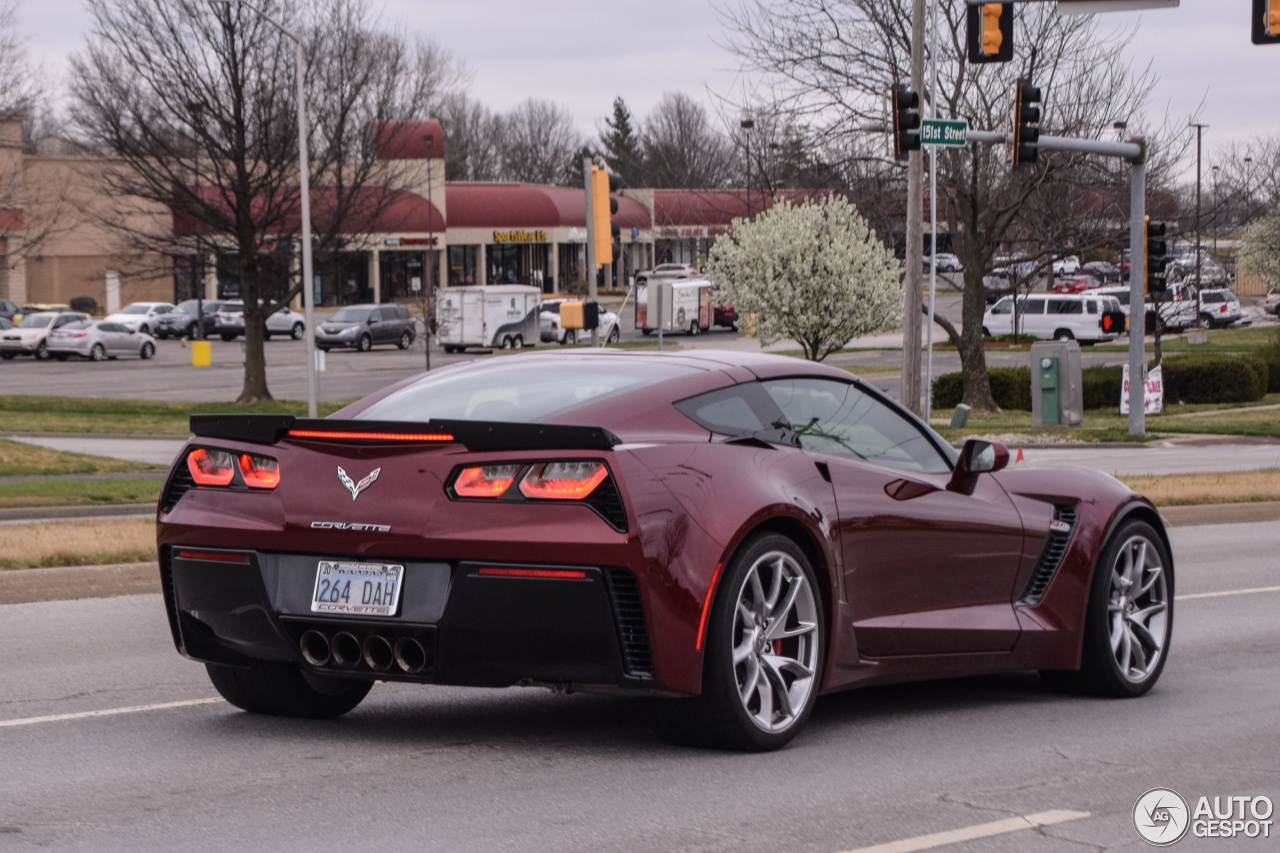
(1219, 308)
(1057, 316)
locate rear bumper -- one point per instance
(477, 629)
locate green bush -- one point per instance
(1270, 355)
(1102, 386)
(1214, 378)
(1010, 386)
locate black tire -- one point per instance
(297, 331)
(986, 333)
(148, 350)
(694, 328)
(570, 337)
(42, 351)
(144, 329)
(507, 343)
(97, 352)
(364, 344)
(1099, 673)
(284, 690)
(7, 356)
(646, 332)
(450, 348)
(1063, 335)
(228, 337)
(518, 342)
(406, 339)
(614, 336)
(717, 718)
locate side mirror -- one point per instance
(371, 321)
(979, 457)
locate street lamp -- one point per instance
(1199, 284)
(1216, 171)
(304, 187)
(747, 124)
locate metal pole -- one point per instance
(1199, 133)
(933, 215)
(591, 237)
(427, 286)
(1137, 300)
(308, 279)
(910, 396)
(649, 292)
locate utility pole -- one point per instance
(591, 235)
(428, 286)
(1199, 285)
(910, 396)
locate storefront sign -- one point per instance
(519, 236)
(577, 235)
(693, 231)
(412, 241)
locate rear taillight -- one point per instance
(77, 334)
(219, 467)
(1223, 309)
(569, 481)
(259, 472)
(487, 481)
(211, 467)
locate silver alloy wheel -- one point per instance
(1138, 609)
(775, 641)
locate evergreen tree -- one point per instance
(622, 149)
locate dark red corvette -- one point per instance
(733, 534)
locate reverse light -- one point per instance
(211, 467)
(570, 481)
(487, 481)
(259, 472)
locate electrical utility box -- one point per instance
(1057, 392)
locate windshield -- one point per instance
(136, 308)
(550, 307)
(350, 315)
(519, 392)
(35, 321)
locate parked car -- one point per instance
(98, 341)
(1070, 265)
(1103, 271)
(9, 309)
(667, 271)
(5, 323)
(31, 336)
(1058, 317)
(1219, 308)
(182, 321)
(1271, 304)
(1076, 284)
(1176, 308)
(362, 327)
(551, 329)
(599, 539)
(229, 322)
(141, 317)
(947, 262)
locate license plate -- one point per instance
(364, 589)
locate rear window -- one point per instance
(550, 307)
(519, 391)
(1212, 297)
(230, 307)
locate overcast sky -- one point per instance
(584, 53)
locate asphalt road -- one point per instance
(448, 769)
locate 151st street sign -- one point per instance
(943, 132)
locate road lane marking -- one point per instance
(105, 712)
(970, 833)
(1227, 592)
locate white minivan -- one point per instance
(1053, 316)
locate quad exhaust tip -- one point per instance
(315, 648)
(346, 649)
(411, 656)
(378, 653)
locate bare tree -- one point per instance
(193, 101)
(682, 148)
(472, 139)
(831, 64)
(539, 137)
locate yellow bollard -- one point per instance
(201, 354)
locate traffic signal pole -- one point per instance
(911, 319)
(1137, 296)
(591, 237)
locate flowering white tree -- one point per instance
(1260, 253)
(815, 272)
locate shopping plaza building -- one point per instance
(58, 243)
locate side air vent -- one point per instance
(606, 501)
(628, 612)
(178, 486)
(1055, 548)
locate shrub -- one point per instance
(1102, 386)
(1270, 356)
(1214, 378)
(1010, 386)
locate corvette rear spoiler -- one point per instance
(474, 435)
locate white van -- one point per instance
(691, 308)
(1177, 305)
(504, 315)
(1053, 316)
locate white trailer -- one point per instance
(495, 315)
(688, 309)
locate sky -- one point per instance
(584, 53)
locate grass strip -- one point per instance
(26, 413)
(1195, 489)
(18, 458)
(34, 493)
(77, 543)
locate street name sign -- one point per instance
(943, 132)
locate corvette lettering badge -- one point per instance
(354, 487)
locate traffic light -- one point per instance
(1156, 252)
(1266, 21)
(906, 122)
(603, 206)
(1026, 121)
(990, 32)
